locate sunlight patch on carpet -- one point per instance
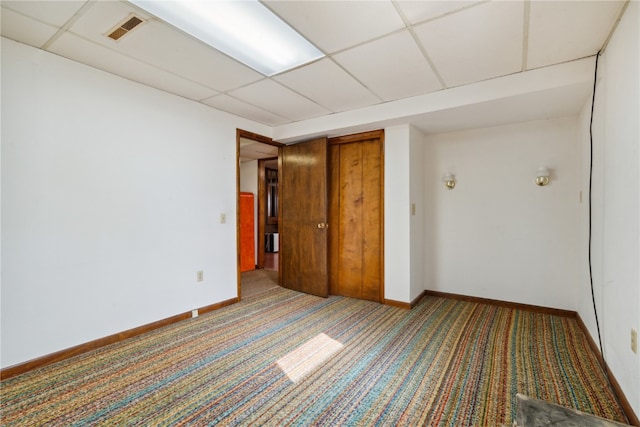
(304, 359)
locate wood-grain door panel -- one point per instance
(303, 207)
(356, 214)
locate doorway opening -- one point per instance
(257, 220)
(268, 200)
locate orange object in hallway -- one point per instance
(247, 234)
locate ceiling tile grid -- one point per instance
(252, 150)
(74, 47)
(475, 44)
(417, 12)
(377, 51)
(392, 67)
(55, 13)
(565, 30)
(272, 96)
(25, 29)
(235, 106)
(333, 87)
(337, 25)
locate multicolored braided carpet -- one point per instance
(285, 358)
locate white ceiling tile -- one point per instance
(160, 44)
(56, 13)
(564, 30)
(242, 109)
(104, 16)
(265, 149)
(420, 11)
(245, 141)
(328, 85)
(256, 150)
(392, 67)
(86, 52)
(276, 98)
(337, 25)
(26, 30)
(475, 44)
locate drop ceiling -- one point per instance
(252, 150)
(379, 54)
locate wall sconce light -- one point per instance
(449, 180)
(542, 176)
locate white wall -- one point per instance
(397, 201)
(249, 184)
(498, 235)
(616, 213)
(417, 218)
(404, 233)
(111, 199)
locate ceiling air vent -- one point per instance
(129, 24)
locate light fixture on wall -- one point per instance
(449, 180)
(542, 176)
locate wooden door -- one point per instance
(303, 217)
(356, 260)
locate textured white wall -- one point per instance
(111, 199)
(498, 235)
(616, 212)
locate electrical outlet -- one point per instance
(200, 276)
(223, 218)
(634, 341)
(194, 313)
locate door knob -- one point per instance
(323, 225)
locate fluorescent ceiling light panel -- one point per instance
(245, 30)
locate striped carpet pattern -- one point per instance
(286, 358)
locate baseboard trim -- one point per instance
(217, 306)
(406, 305)
(398, 304)
(507, 304)
(58, 356)
(615, 385)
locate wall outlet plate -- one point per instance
(200, 276)
(194, 313)
(634, 341)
